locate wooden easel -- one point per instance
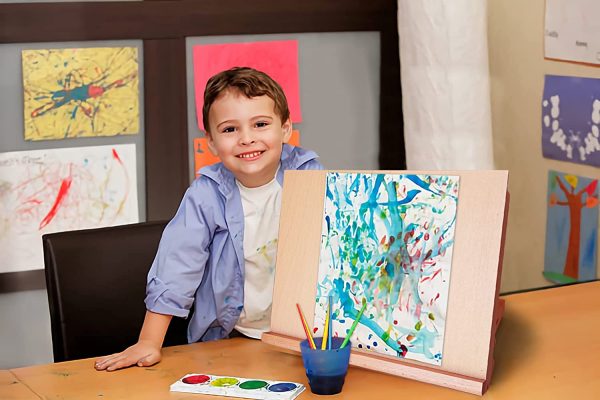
(474, 309)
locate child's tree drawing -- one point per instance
(575, 198)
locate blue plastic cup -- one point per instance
(326, 369)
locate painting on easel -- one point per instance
(387, 239)
(571, 228)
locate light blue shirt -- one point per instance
(200, 258)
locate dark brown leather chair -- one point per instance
(96, 282)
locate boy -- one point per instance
(218, 252)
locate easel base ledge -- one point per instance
(404, 369)
(393, 367)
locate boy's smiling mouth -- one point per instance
(250, 155)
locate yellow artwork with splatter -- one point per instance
(80, 92)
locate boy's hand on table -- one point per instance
(142, 354)
(146, 351)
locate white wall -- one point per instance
(25, 329)
(517, 69)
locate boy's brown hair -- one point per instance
(249, 82)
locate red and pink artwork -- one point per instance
(278, 59)
(45, 191)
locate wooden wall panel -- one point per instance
(163, 25)
(165, 126)
(391, 122)
(43, 22)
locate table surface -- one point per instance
(547, 348)
(12, 389)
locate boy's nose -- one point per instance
(246, 137)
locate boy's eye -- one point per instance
(262, 124)
(228, 129)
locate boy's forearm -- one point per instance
(155, 328)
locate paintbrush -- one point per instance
(354, 324)
(325, 339)
(311, 342)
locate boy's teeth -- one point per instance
(250, 155)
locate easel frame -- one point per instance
(476, 269)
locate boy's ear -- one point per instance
(287, 130)
(211, 144)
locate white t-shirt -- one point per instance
(261, 206)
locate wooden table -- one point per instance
(12, 389)
(547, 348)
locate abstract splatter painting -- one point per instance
(45, 191)
(387, 240)
(80, 92)
(571, 228)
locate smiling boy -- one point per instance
(218, 253)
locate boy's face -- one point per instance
(247, 135)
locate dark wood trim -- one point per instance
(43, 22)
(166, 134)
(391, 122)
(21, 281)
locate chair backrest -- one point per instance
(96, 281)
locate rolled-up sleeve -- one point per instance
(179, 265)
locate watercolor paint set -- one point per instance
(231, 386)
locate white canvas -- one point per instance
(387, 239)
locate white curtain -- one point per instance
(445, 84)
